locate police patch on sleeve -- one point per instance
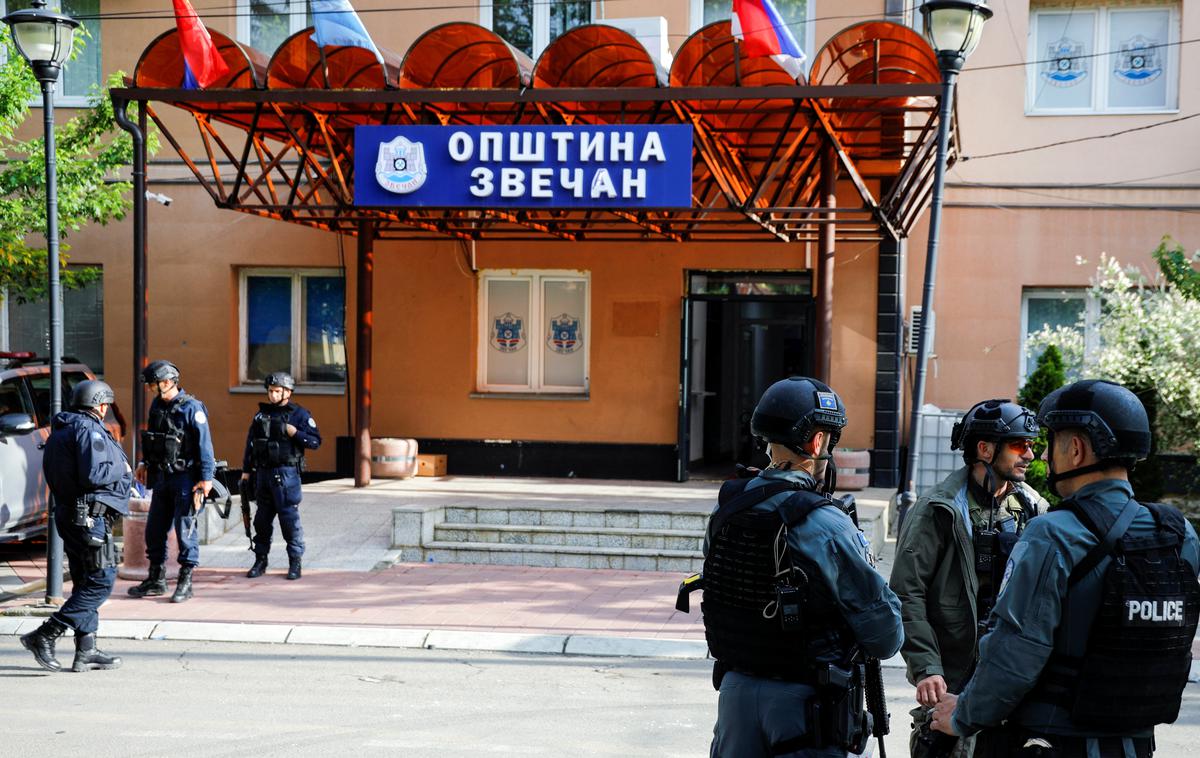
(1017, 552)
(201, 417)
(312, 422)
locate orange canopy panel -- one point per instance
(161, 64)
(300, 64)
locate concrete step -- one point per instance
(573, 536)
(564, 556)
(582, 517)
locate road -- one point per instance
(213, 699)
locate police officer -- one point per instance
(275, 445)
(1090, 640)
(90, 479)
(953, 546)
(791, 600)
(178, 465)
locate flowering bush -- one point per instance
(1148, 340)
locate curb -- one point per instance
(589, 645)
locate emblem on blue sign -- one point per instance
(400, 167)
(564, 334)
(827, 401)
(1138, 61)
(1064, 66)
(507, 336)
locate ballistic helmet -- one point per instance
(992, 420)
(1112, 417)
(160, 371)
(91, 393)
(792, 409)
(279, 379)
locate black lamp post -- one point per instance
(953, 28)
(44, 39)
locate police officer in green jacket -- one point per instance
(1089, 645)
(949, 557)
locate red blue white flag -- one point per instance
(202, 64)
(764, 33)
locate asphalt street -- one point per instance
(221, 699)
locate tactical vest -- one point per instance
(163, 440)
(270, 445)
(993, 547)
(768, 611)
(1139, 648)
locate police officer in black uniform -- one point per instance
(1090, 640)
(792, 603)
(279, 434)
(90, 479)
(178, 465)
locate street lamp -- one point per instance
(953, 28)
(44, 39)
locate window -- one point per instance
(1104, 60)
(26, 326)
(83, 72)
(796, 14)
(265, 24)
(1051, 309)
(294, 321)
(531, 25)
(534, 331)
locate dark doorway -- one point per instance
(746, 331)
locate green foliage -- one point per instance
(90, 150)
(1178, 269)
(1049, 375)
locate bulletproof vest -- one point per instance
(1139, 648)
(993, 547)
(163, 440)
(768, 611)
(270, 445)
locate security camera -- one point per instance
(158, 197)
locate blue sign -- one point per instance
(631, 166)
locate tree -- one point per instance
(1048, 376)
(90, 150)
(1177, 268)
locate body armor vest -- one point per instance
(1139, 649)
(767, 611)
(163, 440)
(270, 445)
(993, 547)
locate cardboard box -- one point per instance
(431, 465)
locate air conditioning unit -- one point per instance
(651, 31)
(915, 320)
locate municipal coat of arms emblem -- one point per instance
(1139, 61)
(564, 334)
(400, 167)
(1064, 66)
(507, 335)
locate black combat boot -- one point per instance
(154, 584)
(41, 641)
(259, 568)
(183, 585)
(293, 568)
(88, 656)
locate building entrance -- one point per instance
(741, 332)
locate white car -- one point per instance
(24, 427)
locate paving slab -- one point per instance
(357, 636)
(635, 647)
(220, 632)
(131, 630)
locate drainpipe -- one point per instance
(138, 133)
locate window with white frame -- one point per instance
(293, 320)
(1105, 59)
(265, 24)
(83, 73)
(796, 14)
(534, 331)
(1047, 309)
(26, 326)
(531, 25)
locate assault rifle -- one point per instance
(246, 496)
(877, 703)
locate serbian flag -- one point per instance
(202, 64)
(762, 30)
(338, 25)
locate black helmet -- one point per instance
(992, 420)
(279, 379)
(91, 393)
(159, 371)
(792, 409)
(1111, 416)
